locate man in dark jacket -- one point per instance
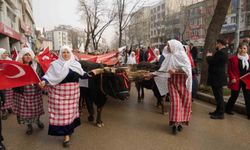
(193, 51)
(217, 77)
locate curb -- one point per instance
(241, 109)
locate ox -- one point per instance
(149, 84)
(111, 81)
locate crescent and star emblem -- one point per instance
(21, 72)
(45, 57)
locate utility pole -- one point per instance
(237, 32)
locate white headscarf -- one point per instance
(131, 58)
(157, 53)
(244, 60)
(27, 50)
(59, 68)
(2, 51)
(177, 59)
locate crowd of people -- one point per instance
(180, 62)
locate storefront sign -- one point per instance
(9, 31)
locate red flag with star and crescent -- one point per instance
(45, 58)
(14, 54)
(151, 55)
(15, 74)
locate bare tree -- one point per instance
(95, 13)
(125, 15)
(213, 33)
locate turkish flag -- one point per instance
(137, 57)
(45, 58)
(15, 74)
(151, 55)
(246, 80)
(14, 54)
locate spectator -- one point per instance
(238, 66)
(217, 77)
(194, 51)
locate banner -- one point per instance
(110, 58)
(15, 74)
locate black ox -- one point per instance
(149, 84)
(113, 83)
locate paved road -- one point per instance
(133, 126)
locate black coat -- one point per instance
(217, 68)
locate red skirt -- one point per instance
(63, 104)
(181, 100)
(28, 106)
(8, 99)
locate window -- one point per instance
(163, 6)
(233, 19)
(248, 19)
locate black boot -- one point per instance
(174, 130)
(29, 130)
(4, 114)
(40, 125)
(2, 147)
(90, 118)
(66, 141)
(180, 128)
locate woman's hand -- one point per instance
(209, 54)
(233, 81)
(171, 71)
(42, 84)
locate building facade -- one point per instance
(157, 24)
(139, 28)
(196, 19)
(66, 35)
(16, 24)
(229, 27)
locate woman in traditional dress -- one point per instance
(63, 80)
(7, 107)
(28, 104)
(178, 65)
(131, 58)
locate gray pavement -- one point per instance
(133, 126)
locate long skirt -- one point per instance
(28, 105)
(181, 101)
(63, 109)
(8, 99)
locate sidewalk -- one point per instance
(239, 106)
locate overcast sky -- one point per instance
(51, 13)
